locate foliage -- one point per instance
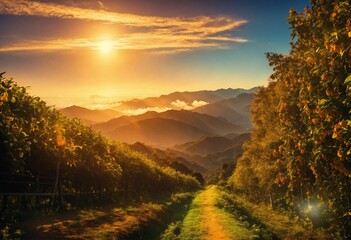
(36, 139)
(256, 170)
(166, 159)
(172, 232)
(303, 148)
(268, 223)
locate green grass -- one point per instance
(271, 224)
(227, 204)
(193, 226)
(235, 227)
(190, 227)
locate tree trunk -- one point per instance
(271, 199)
(57, 177)
(348, 192)
(37, 190)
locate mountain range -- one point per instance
(235, 110)
(231, 104)
(226, 113)
(214, 158)
(182, 100)
(166, 128)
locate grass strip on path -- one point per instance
(206, 220)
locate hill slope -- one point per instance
(166, 158)
(88, 115)
(206, 145)
(235, 110)
(157, 131)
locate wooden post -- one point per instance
(60, 195)
(37, 179)
(57, 177)
(348, 192)
(271, 199)
(56, 181)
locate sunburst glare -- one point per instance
(106, 46)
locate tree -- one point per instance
(312, 155)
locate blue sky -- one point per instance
(70, 50)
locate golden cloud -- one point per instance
(178, 104)
(140, 111)
(158, 32)
(139, 42)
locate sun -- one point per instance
(106, 46)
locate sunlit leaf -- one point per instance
(348, 80)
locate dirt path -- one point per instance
(210, 218)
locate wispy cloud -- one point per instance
(158, 32)
(178, 104)
(33, 8)
(136, 41)
(144, 110)
(197, 104)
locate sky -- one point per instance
(77, 51)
